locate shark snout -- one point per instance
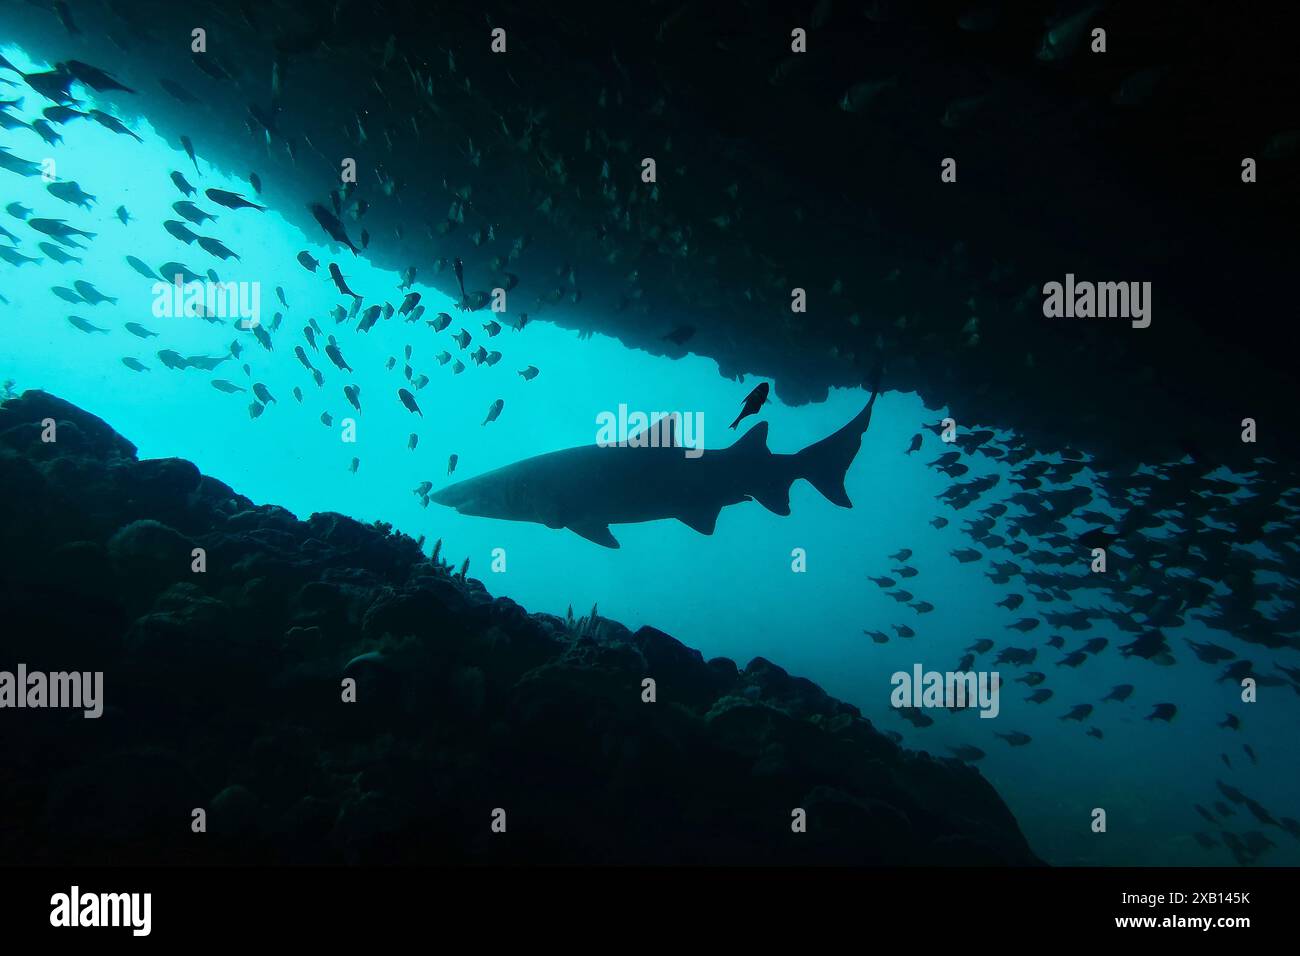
(450, 496)
(462, 496)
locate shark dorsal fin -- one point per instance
(753, 441)
(660, 433)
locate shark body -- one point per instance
(586, 489)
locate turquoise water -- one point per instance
(732, 594)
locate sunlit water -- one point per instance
(732, 594)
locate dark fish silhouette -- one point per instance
(753, 402)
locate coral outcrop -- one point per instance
(223, 691)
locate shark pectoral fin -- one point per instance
(595, 533)
(703, 520)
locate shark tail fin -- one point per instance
(826, 463)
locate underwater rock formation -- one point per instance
(781, 171)
(222, 691)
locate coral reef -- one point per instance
(223, 691)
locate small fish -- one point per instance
(356, 463)
(353, 394)
(340, 283)
(66, 294)
(55, 253)
(1015, 738)
(183, 184)
(529, 373)
(1163, 712)
(231, 200)
(330, 223)
(61, 114)
(16, 164)
(230, 388)
(307, 262)
(440, 321)
(97, 79)
(180, 231)
(205, 362)
(216, 248)
(325, 419)
(172, 359)
(753, 402)
(47, 132)
(451, 463)
(1120, 693)
(80, 323)
(15, 258)
(412, 441)
(141, 268)
(72, 194)
(138, 330)
(91, 294)
(255, 409)
(170, 271)
(57, 229)
(335, 356)
(263, 394)
(187, 210)
(124, 216)
(462, 339)
(189, 151)
(18, 210)
(494, 412)
(409, 401)
(135, 364)
(459, 268)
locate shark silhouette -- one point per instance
(587, 489)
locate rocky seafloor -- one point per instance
(223, 691)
